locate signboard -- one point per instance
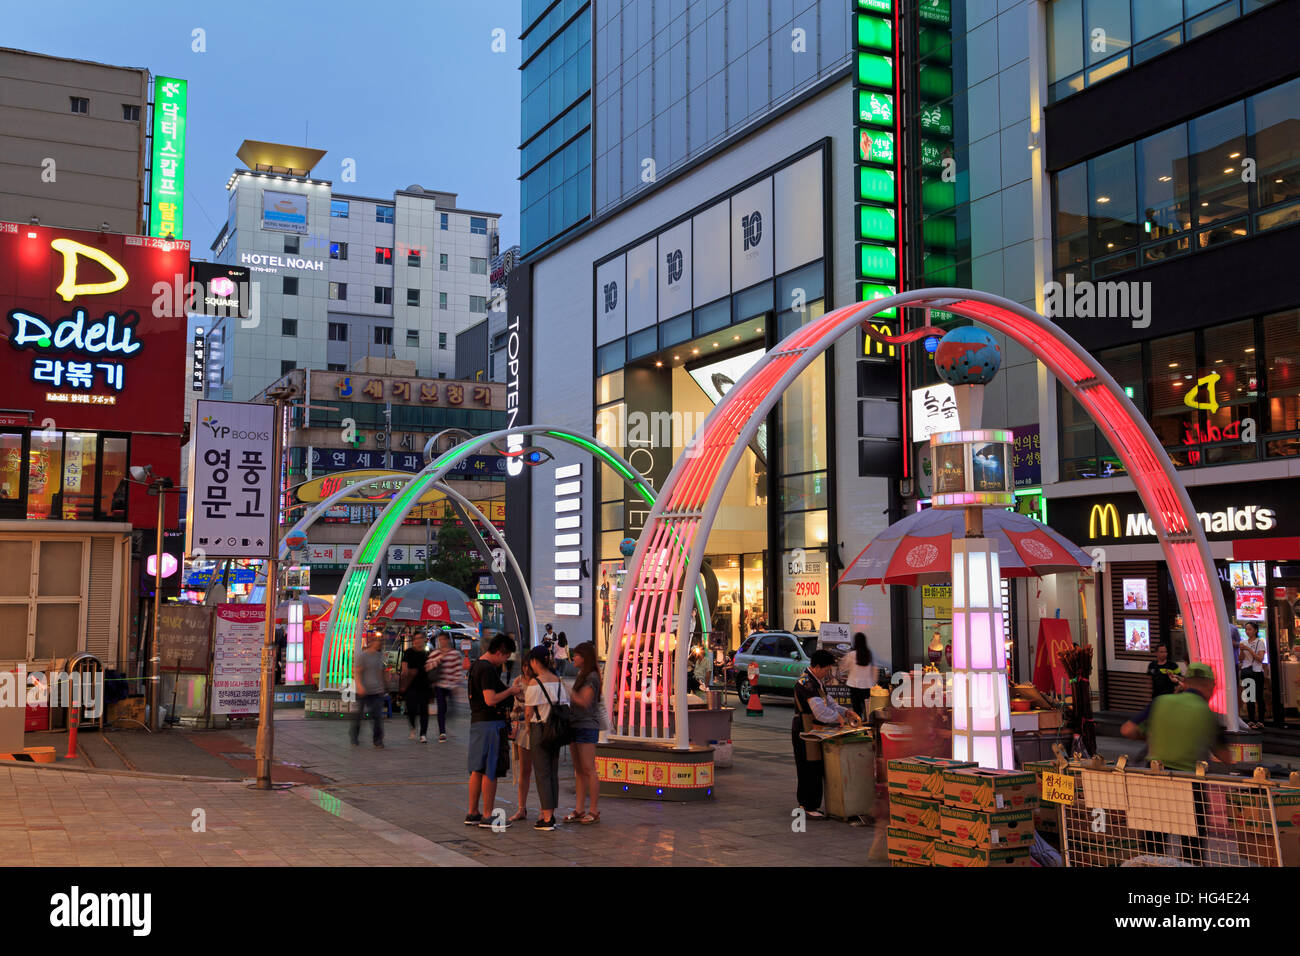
(1026, 457)
(167, 166)
(1049, 671)
(184, 631)
(1137, 634)
(936, 602)
(1058, 788)
(804, 586)
(1135, 595)
(219, 290)
(934, 410)
(875, 131)
(284, 212)
(1251, 605)
(232, 480)
(237, 658)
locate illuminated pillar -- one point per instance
(981, 707)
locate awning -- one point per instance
(1266, 549)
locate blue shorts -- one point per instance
(586, 736)
(485, 747)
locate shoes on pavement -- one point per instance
(442, 738)
(412, 737)
(379, 745)
(355, 742)
(815, 815)
(424, 740)
(473, 819)
(487, 824)
(544, 824)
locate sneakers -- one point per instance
(356, 742)
(544, 824)
(379, 745)
(473, 819)
(815, 815)
(487, 824)
(442, 738)
(412, 737)
(424, 740)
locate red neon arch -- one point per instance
(642, 652)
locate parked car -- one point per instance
(782, 657)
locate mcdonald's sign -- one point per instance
(1103, 516)
(871, 348)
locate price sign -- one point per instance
(1058, 788)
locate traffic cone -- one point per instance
(755, 706)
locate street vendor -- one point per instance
(813, 707)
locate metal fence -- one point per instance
(1123, 816)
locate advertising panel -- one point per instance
(237, 641)
(934, 410)
(232, 482)
(284, 212)
(167, 168)
(1135, 594)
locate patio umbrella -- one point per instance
(425, 602)
(313, 607)
(918, 549)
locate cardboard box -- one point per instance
(1049, 719)
(985, 830)
(977, 788)
(914, 813)
(950, 854)
(910, 846)
(921, 776)
(129, 708)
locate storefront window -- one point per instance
(79, 476)
(112, 481)
(44, 475)
(11, 474)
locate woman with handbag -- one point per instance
(547, 706)
(588, 721)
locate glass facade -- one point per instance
(63, 475)
(1219, 395)
(1089, 40)
(1219, 177)
(555, 121)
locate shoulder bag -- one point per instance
(557, 729)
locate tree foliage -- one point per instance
(453, 559)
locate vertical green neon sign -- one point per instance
(875, 127)
(167, 166)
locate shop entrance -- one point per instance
(741, 603)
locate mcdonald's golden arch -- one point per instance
(1103, 516)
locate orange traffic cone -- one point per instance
(755, 706)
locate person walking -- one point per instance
(415, 685)
(368, 683)
(446, 667)
(545, 690)
(489, 709)
(588, 711)
(521, 743)
(1163, 673)
(562, 655)
(813, 707)
(1253, 651)
(859, 673)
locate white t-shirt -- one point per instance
(533, 697)
(858, 676)
(1252, 654)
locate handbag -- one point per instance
(557, 729)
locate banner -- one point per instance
(167, 167)
(232, 481)
(237, 643)
(1053, 638)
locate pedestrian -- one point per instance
(520, 742)
(588, 712)
(1253, 651)
(562, 655)
(1163, 672)
(368, 684)
(446, 668)
(415, 686)
(859, 673)
(545, 690)
(489, 709)
(813, 707)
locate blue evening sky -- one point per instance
(411, 90)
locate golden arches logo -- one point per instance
(871, 346)
(72, 251)
(1107, 516)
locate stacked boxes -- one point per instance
(915, 802)
(1249, 820)
(1286, 809)
(987, 818)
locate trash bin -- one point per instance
(849, 763)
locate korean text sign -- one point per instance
(167, 175)
(237, 658)
(233, 480)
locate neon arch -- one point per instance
(689, 500)
(354, 590)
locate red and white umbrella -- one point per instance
(425, 602)
(918, 549)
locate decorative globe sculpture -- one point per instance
(968, 356)
(627, 546)
(296, 540)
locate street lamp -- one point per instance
(158, 487)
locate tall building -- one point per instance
(336, 278)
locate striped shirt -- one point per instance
(450, 668)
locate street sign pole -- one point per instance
(265, 724)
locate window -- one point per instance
(442, 262)
(287, 366)
(291, 244)
(413, 258)
(478, 303)
(413, 338)
(80, 104)
(338, 332)
(383, 255)
(290, 285)
(443, 222)
(383, 335)
(338, 209)
(442, 340)
(383, 214)
(339, 291)
(442, 300)
(289, 327)
(131, 112)
(339, 250)
(335, 367)
(477, 226)
(412, 296)
(383, 295)
(477, 267)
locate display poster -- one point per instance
(1135, 594)
(936, 602)
(1137, 634)
(1026, 457)
(1247, 574)
(989, 464)
(934, 410)
(1049, 670)
(804, 588)
(284, 212)
(237, 658)
(232, 486)
(183, 631)
(1251, 605)
(949, 469)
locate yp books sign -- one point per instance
(233, 480)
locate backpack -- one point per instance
(556, 730)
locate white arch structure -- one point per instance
(651, 604)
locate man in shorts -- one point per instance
(489, 709)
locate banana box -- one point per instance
(908, 846)
(951, 854)
(986, 830)
(915, 814)
(921, 776)
(978, 788)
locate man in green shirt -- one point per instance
(1181, 729)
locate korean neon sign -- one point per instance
(876, 159)
(167, 176)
